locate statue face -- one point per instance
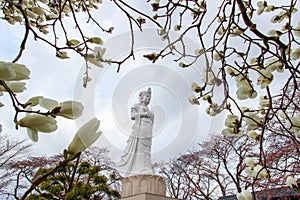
(145, 98)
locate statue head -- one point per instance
(145, 96)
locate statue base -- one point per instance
(144, 187)
(139, 184)
(147, 196)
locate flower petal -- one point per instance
(22, 72)
(75, 145)
(70, 109)
(34, 101)
(85, 136)
(32, 134)
(6, 72)
(48, 103)
(39, 123)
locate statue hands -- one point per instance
(147, 114)
(150, 114)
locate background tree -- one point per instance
(11, 149)
(224, 165)
(78, 179)
(201, 174)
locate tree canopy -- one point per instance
(249, 52)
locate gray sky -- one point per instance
(178, 125)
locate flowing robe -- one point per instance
(137, 154)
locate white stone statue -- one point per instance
(137, 154)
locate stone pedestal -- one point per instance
(147, 196)
(140, 184)
(144, 187)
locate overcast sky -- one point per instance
(109, 96)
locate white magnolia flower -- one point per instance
(6, 73)
(242, 81)
(86, 79)
(163, 34)
(34, 101)
(73, 42)
(252, 120)
(244, 195)
(297, 30)
(232, 131)
(31, 14)
(253, 61)
(249, 162)
(221, 30)
(206, 97)
(261, 7)
(95, 40)
(209, 78)
(199, 51)
(38, 123)
(177, 27)
(196, 88)
(37, 10)
(253, 94)
(269, 8)
(48, 104)
(228, 131)
(245, 87)
(296, 54)
(194, 100)
(70, 109)
(231, 71)
(280, 17)
(85, 136)
(13, 72)
(16, 87)
(182, 65)
(236, 31)
(265, 78)
(260, 172)
(282, 114)
(213, 109)
(218, 56)
(244, 92)
(274, 33)
(252, 134)
(231, 121)
(264, 101)
(294, 123)
(249, 170)
(62, 55)
(291, 182)
(97, 57)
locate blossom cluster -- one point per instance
(35, 121)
